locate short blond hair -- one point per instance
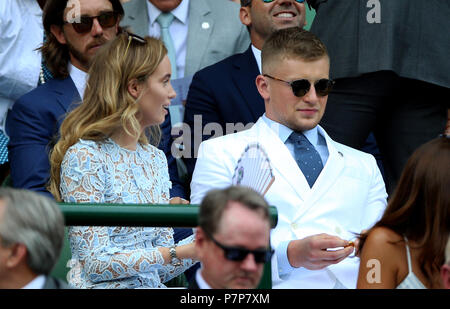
(291, 43)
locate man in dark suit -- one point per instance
(33, 123)
(223, 98)
(390, 62)
(31, 239)
(232, 240)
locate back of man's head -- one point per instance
(34, 221)
(291, 43)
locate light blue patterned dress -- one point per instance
(118, 257)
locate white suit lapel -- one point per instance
(327, 178)
(281, 160)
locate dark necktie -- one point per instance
(164, 20)
(307, 157)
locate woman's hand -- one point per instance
(178, 200)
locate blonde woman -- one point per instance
(103, 156)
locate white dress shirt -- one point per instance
(79, 79)
(36, 283)
(200, 281)
(178, 30)
(21, 32)
(257, 54)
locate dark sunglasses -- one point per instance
(106, 20)
(238, 254)
(300, 87)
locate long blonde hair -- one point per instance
(107, 105)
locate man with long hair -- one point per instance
(75, 30)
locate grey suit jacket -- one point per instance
(225, 36)
(411, 39)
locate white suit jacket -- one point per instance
(348, 196)
(224, 36)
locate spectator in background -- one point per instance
(390, 62)
(223, 97)
(31, 239)
(445, 269)
(104, 156)
(409, 240)
(232, 239)
(324, 191)
(202, 32)
(21, 33)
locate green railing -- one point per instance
(139, 215)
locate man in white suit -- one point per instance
(203, 31)
(316, 220)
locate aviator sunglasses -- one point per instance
(238, 254)
(83, 24)
(300, 87)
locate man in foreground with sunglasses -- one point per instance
(324, 192)
(232, 239)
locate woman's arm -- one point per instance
(103, 258)
(379, 260)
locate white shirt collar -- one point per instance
(36, 283)
(180, 12)
(284, 132)
(200, 281)
(257, 54)
(79, 79)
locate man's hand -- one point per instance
(311, 252)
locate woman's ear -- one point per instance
(134, 88)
